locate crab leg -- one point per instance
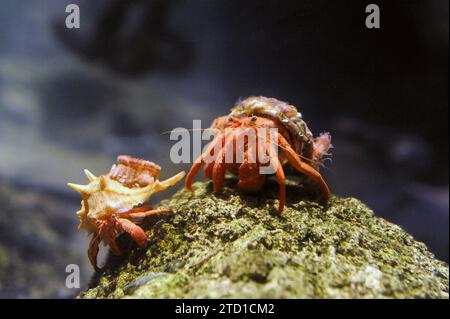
(93, 250)
(139, 213)
(113, 231)
(199, 162)
(304, 168)
(208, 170)
(276, 165)
(218, 172)
(220, 166)
(210, 166)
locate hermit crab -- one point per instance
(110, 203)
(255, 129)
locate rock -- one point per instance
(233, 245)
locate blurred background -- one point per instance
(75, 98)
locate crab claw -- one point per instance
(136, 232)
(93, 251)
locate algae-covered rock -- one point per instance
(232, 245)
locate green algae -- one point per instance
(232, 245)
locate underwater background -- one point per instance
(75, 99)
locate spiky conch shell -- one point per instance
(288, 115)
(104, 196)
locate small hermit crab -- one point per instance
(110, 202)
(235, 150)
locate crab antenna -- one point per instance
(91, 177)
(189, 129)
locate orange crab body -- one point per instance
(110, 203)
(256, 129)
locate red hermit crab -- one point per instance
(254, 130)
(110, 202)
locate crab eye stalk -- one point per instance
(254, 118)
(230, 119)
